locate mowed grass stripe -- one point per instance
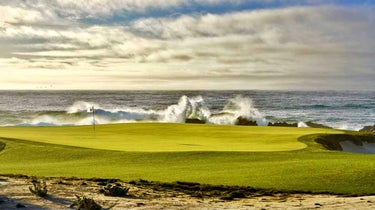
(162, 137)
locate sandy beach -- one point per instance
(14, 193)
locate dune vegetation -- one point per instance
(263, 157)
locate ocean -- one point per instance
(338, 109)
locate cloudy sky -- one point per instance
(187, 44)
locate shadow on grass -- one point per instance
(2, 146)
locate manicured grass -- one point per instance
(158, 137)
(169, 155)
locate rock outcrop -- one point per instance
(195, 121)
(316, 125)
(244, 121)
(370, 129)
(282, 124)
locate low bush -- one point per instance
(39, 188)
(115, 190)
(86, 203)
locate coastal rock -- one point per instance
(282, 124)
(244, 121)
(316, 125)
(195, 121)
(370, 129)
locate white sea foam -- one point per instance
(302, 125)
(81, 106)
(345, 126)
(45, 120)
(186, 108)
(243, 107)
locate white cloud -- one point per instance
(247, 49)
(276, 26)
(98, 9)
(77, 9)
(14, 15)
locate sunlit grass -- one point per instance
(159, 137)
(232, 155)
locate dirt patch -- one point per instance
(147, 195)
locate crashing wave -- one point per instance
(188, 109)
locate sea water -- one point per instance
(338, 109)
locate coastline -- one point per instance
(339, 110)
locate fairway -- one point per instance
(265, 157)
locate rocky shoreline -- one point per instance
(369, 129)
(248, 122)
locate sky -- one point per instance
(187, 44)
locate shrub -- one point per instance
(87, 203)
(237, 194)
(233, 195)
(39, 188)
(115, 190)
(20, 205)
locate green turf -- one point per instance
(198, 153)
(156, 137)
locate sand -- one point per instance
(61, 195)
(365, 148)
